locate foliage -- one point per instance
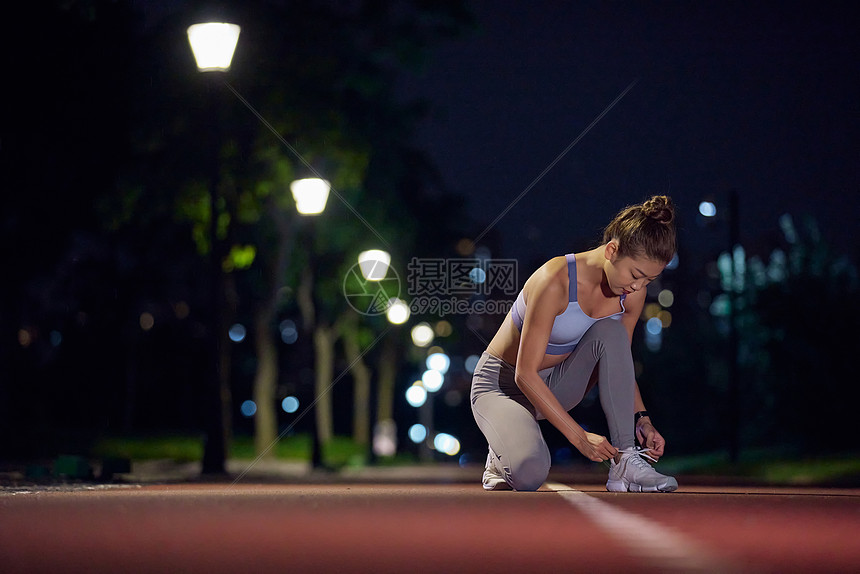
(797, 342)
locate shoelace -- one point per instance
(642, 452)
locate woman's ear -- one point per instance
(611, 251)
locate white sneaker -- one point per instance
(493, 479)
(634, 474)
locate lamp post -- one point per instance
(213, 45)
(310, 195)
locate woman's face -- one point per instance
(627, 275)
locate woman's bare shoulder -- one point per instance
(550, 279)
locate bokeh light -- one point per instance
(416, 395)
(289, 333)
(374, 264)
(290, 404)
(417, 433)
(249, 408)
(25, 338)
(182, 310)
(237, 333)
(398, 311)
(443, 442)
(708, 209)
(472, 362)
(432, 380)
(422, 334)
(477, 275)
(666, 298)
(147, 321)
(438, 362)
(444, 328)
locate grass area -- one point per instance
(340, 452)
(772, 466)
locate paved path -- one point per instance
(439, 528)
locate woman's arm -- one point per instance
(547, 298)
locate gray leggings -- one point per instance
(509, 421)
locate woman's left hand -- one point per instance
(650, 438)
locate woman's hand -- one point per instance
(595, 447)
(650, 438)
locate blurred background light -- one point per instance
(385, 438)
(472, 362)
(477, 275)
(444, 328)
(310, 195)
(673, 263)
(182, 310)
(651, 310)
(237, 333)
(25, 338)
(398, 311)
(422, 334)
(417, 433)
(374, 264)
(289, 333)
(432, 380)
(416, 395)
(666, 298)
(438, 362)
(445, 443)
(213, 44)
(708, 209)
(654, 325)
(290, 404)
(653, 341)
(147, 321)
(248, 408)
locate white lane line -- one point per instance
(663, 546)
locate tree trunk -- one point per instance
(387, 379)
(323, 377)
(265, 345)
(265, 386)
(361, 383)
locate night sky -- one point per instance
(763, 100)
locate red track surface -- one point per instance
(417, 528)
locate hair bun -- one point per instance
(660, 208)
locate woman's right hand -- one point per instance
(595, 447)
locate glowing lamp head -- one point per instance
(310, 194)
(374, 264)
(213, 44)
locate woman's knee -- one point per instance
(609, 332)
(529, 472)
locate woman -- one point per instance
(571, 327)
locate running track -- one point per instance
(438, 528)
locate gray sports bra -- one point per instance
(569, 327)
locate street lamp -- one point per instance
(311, 195)
(213, 44)
(374, 264)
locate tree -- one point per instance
(319, 80)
